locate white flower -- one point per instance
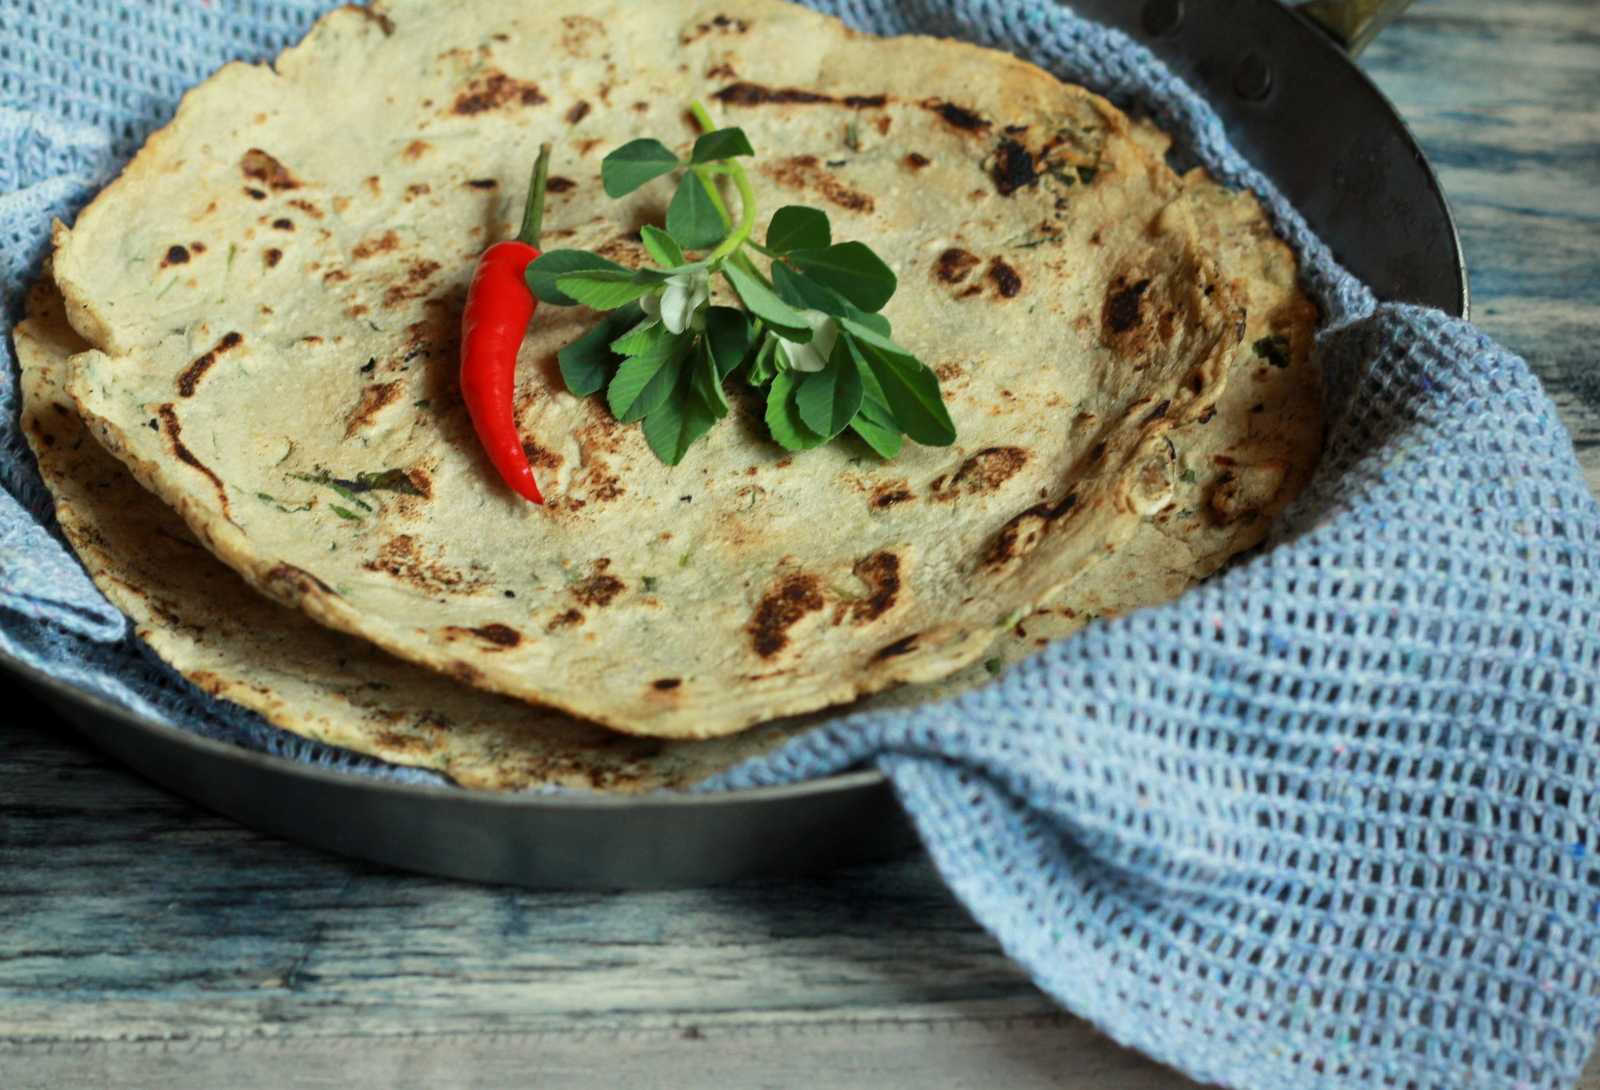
(675, 305)
(813, 355)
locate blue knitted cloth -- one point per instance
(1323, 822)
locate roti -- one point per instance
(270, 295)
(199, 617)
(207, 623)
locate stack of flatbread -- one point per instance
(240, 383)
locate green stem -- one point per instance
(533, 212)
(702, 116)
(717, 202)
(747, 194)
(747, 218)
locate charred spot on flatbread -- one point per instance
(495, 90)
(268, 172)
(881, 573)
(189, 380)
(780, 609)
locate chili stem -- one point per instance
(533, 213)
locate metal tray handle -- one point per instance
(1353, 23)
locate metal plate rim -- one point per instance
(1291, 31)
(863, 779)
(1458, 252)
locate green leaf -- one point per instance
(852, 270)
(760, 301)
(748, 360)
(885, 442)
(874, 405)
(333, 484)
(765, 365)
(647, 275)
(644, 382)
(622, 275)
(728, 335)
(804, 293)
(691, 217)
(877, 323)
(875, 423)
(721, 144)
(706, 380)
(602, 293)
(586, 363)
(661, 247)
(385, 480)
(287, 509)
(783, 416)
(796, 227)
(640, 339)
(543, 273)
(911, 391)
(869, 334)
(829, 399)
(675, 425)
(634, 164)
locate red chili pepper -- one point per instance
(499, 307)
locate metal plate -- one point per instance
(588, 842)
(1319, 128)
(1301, 110)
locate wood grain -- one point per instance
(121, 902)
(148, 943)
(1505, 99)
(1045, 1053)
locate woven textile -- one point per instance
(1324, 822)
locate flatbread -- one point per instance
(211, 626)
(1233, 471)
(216, 630)
(327, 226)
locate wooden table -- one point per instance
(147, 943)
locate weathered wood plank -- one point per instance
(124, 906)
(1045, 1053)
(1505, 99)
